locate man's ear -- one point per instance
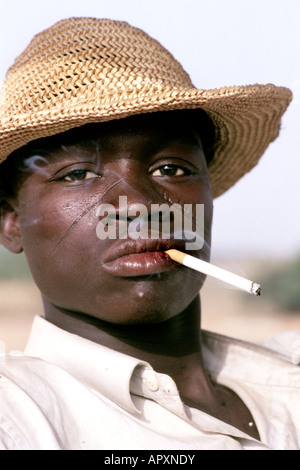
(10, 233)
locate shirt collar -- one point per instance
(119, 377)
(98, 367)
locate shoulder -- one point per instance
(279, 356)
(286, 344)
(20, 411)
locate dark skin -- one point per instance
(152, 314)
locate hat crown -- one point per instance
(87, 70)
(78, 58)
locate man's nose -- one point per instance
(132, 182)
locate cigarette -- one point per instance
(214, 271)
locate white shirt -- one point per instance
(66, 392)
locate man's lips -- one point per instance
(140, 264)
(139, 258)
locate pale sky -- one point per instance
(232, 42)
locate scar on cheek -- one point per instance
(84, 214)
(168, 199)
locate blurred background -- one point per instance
(256, 230)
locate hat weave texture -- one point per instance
(88, 70)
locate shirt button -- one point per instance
(152, 384)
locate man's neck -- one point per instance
(172, 347)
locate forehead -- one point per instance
(153, 129)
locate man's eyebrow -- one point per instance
(38, 157)
(42, 157)
(192, 141)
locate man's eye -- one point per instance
(79, 175)
(170, 170)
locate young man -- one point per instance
(91, 112)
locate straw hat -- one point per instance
(86, 70)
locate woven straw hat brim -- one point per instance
(55, 86)
(247, 119)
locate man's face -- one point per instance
(154, 159)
